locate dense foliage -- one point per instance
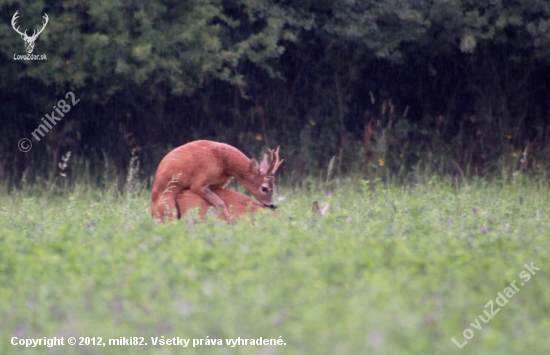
(456, 86)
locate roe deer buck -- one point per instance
(237, 204)
(200, 166)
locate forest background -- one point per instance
(393, 88)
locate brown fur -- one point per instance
(201, 166)
(318, 211)
(237, 204)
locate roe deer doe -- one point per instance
(201, 166)
(237, 204)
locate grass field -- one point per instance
(388, 271)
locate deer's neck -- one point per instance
(237, 164)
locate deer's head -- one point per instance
(262, 185)
(29, 40)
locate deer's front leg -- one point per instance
(216, 201)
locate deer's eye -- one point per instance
(264, 189)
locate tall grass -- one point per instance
(389, 270)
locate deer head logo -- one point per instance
(29, 40)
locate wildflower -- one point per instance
(207, 288)
(20, 331)
(312, 122)
(474, 210)
(330, 195)
(381, 162)
(514, 154)
(259, 137)
(509, 136)
(375, 338)
(484, 229)
(280, 198)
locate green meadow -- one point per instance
(388, 270)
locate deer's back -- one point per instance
(197, 161)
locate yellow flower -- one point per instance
(514, 154)
(259, 137)
(312, 122)
(381, 162)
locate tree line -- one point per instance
(458, 87)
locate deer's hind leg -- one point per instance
(165, 207)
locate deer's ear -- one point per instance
(315, 209)
(254, 166)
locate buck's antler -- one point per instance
(275, 162)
